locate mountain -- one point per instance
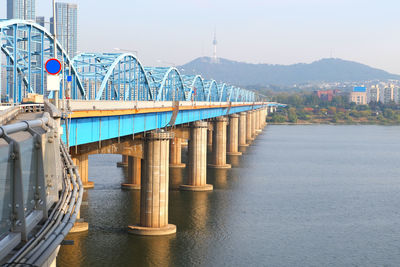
(246, 74)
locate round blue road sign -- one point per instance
(53, 66)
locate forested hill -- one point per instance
(246, 74)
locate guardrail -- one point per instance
(40, 191)
(12, 112)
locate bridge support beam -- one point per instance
(82, 161)
(123, 162)
(134, 174)
(198, 158)
(242, 129)
(218, 158)
(233, 136)
(176, 153)
(154, 188)
(249, 134)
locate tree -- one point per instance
(292, 116)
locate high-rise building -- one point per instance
(40, 20)
(21, 9)
(67, 19)
(396, 95)
(24, 10)
(373, 93)
(388, 95)
(359, 95)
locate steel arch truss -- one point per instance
(166, 84)
(211, 88)
(195, 88)
(25, 48)
(113, 76)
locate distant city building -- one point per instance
(388, 94)
(326, 95)
(67, 19)
(397, 95)
(373, 93)
(21, 9)
(40, 20)
(24, 10)
(359, 95)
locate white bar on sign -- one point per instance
(53, 82)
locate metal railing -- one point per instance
(40, 191)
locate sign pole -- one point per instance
(55, 46)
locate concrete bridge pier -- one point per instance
(123, 162)
(198, 158)
(264, 118)
(218, 155)
(253, 124)
(258, 125)
(249, 135)
(80, 225)
(242, 130)
(154, 187)
(233, 136)
(176, 153)
(82, 161)
(134, 174)
(209, 136)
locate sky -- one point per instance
(174, 32)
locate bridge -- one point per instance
(108, 103)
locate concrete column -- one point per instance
(209, 137)
(233, 136)
(176, 154)
(263, 118)
(218, 158)
(154, 187)
(198, 158)
(242, 130)
(253, 124)
(258, 126)
(249, 135)
(134, 174)
(82, 162)
(124, 162)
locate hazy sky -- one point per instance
(256, 31)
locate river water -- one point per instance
(317, 195)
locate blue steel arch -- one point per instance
(27, 46)
(195, 87)
(113, 76)
(223, 92)
(212, 90)
(166, 83)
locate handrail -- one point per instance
(43, 244)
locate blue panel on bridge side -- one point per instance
(87, 130)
